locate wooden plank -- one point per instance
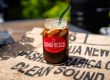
(1, 28)
(19, 28)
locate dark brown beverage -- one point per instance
(55, 42)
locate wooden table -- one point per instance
(18, 28)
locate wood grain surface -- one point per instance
(18, 28)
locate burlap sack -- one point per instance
(88, 59)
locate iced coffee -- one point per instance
(55, 41)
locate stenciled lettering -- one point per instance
(39, 58)
(80, 63)
(31, 72)
(26, 54)
(34, 56)
(83, 63)
(88, 51)
(78, 50)
(20, 67)
(99, 64)
(72, 37)
(39, 71)
(71, 49)
(99, 76)
(34, 71)
(60, 70)
(95, 52)
(79, 74)
(89, 76)
(69, 72)
(104, 52)
(107, 66)
(90, 64)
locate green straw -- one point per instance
(62, 15)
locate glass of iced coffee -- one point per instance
(55, 41)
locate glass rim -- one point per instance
(53, 22)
